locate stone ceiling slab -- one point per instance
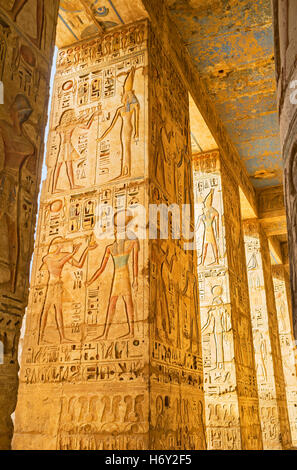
(231, 44)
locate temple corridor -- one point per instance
(148, 283)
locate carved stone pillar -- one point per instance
(285, 12)
(231, 401)
(112, 351)
(271, 386)
(27, 37)
(281, 284)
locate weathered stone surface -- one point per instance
(286, 74)
(281, 285)
(231, 399)
(112, 351)
(270, 378)
(160, 17)
(27, 36)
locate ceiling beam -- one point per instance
(90, 14)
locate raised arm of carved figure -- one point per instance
(68, 256)
(205, 327)
(81, 262)
(113, 123)
(90, 121)
(102, 267)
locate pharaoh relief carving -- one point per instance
(271, 386)
(85, 300)
(84, 122)
(175, 332)
(91, 320)
(228, 363)
(288, 351)
(212, 269)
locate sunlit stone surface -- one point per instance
(231, 399)
(271, 383)
(121, 330)
(112, 351)
(27, 37)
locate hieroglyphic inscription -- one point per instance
(177, 405)
(26, 45)
(270, 378)
(91, 322)
(228, 362)
(287, 345)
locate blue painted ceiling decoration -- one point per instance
(80, 19)
(231, 43)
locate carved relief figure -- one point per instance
(210, 219)
(129, 109)
(163, 321)
(54, 263)
(191, 289)
(17, 7)
(67, 153)
(218, 323)
(162, 151)
(18, 149)
(261, 349)
(125, 245)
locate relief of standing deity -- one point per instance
(129, 109)
(54, 263)
(218, 325)
(210, 219)
(125, 245)
(67, 153)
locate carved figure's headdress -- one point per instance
(208, 200)
(129, 82)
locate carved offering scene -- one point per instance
(148, 228)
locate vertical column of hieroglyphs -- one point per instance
(271, 387)
(83, 377)
(176, 382)
(288, 347)
(232, 415)
(27, 35)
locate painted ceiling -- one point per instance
(231, 43)
(80, 19)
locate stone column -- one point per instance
(271, 386)
(231, 401)
(27, 37)
(281, 284)
(286, 74)
(112, 351)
